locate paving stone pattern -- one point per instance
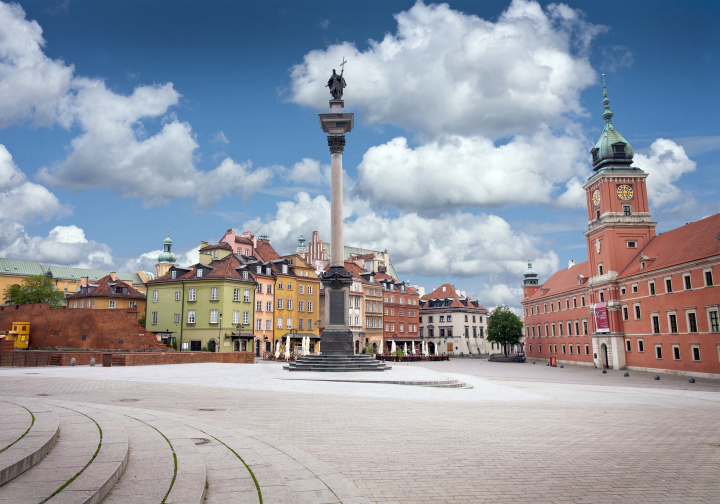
(537, 435)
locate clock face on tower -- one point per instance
(596, 197)
(625, 192)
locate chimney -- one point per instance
(203, 244)
(254, 240)
(113, 276)
(84, 281)
(571, 263)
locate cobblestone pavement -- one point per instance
(524, 433)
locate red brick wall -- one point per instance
(31, 358)
(63, 328)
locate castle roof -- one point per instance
(563, 281)
(107, 287)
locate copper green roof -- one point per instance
(20, 267)
(611, 151)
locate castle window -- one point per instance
(600, 268)
(632, 244)
(597, 214)
(594, 153)
(618, 149)
(708, 278)
(626, 210)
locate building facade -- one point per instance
(401, 315)
(204, 302)
(454, 324)
(641, 300)
(107, 293)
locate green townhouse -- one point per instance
(209, 305)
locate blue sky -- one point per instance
(123, 120)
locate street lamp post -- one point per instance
(217, 350)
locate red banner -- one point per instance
(602, 323)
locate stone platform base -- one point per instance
(337, 363)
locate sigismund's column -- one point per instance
(337, 338)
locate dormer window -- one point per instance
(199, 273)
(173, 274)
(284, 269)
(594, 153)
(259, 269)
(618, 148)
(245, 275)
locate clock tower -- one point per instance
(619, 221)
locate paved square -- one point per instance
(523, 433)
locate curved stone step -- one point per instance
(150, 471)
(81, 467)
(99, 477)
(35, 429)
(163, 461)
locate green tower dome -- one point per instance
(166, 256)
(611, 150)
(531, 276)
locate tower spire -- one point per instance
(607, 115)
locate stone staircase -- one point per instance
(337, 363)
(65, 452)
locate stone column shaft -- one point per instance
(337, 254)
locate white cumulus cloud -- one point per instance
(665, 163)
(456, 244)
(471, 171)
(32, 86)
(444, 71)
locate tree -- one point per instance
(34, 289)
(141, 321)
(504, 327)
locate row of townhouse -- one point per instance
(241, 296)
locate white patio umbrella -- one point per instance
(413, 347)
(393, 348)
(277, 349)
(307, 346)
(287, 348)
(436, 351)
(318, 348)
(405, 348)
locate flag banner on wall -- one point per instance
(602, 324)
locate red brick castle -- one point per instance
(641, 300)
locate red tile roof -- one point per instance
(690, 242)
(221, 269)
(105, 287)
(222, 245)
(241, 239)
(458, 301)
(563, 281)
(266, 252)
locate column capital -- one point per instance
(336, 143)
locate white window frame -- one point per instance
(665, 281)
(268, 325)
(154, 318)
(279, 322)
(637, 311)
(693, 347)
(111, 303)
(213, 316)
(177, 295)
(288, 323)
(192, 294)
(709, 310)
(693, 311)
(236, 294)
(677, 327)
(686, 278)
(269, 306)
(675, 347)
(246, 296)
(214, 294)
(301, 289)
(177, 318)
(246, 318)
(258, 305)
(191, 317)
(289, 304)
(309, 289)
(155, 296)
(198, 273)
(712, 278)
(301, 306)
(309, 306)
(258, 324)
(281, 304)
(236, 317)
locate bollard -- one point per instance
(72, 361)
(691, 380)
(604, 371)
(92, 361)
(657, 377)
(533, 362)
(626, 374)
(562, 366)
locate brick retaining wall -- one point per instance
(31, 358)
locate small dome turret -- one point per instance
(167, 256)
(611, 150)
(531, 276)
